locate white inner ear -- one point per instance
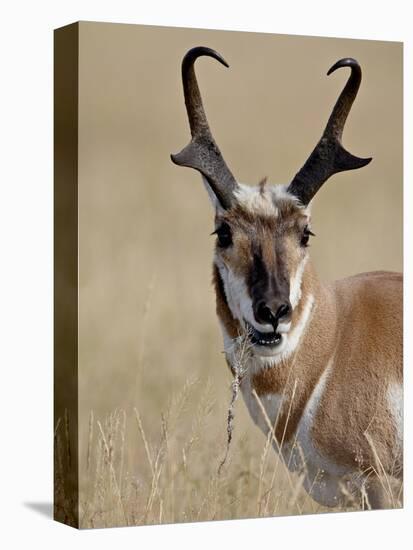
(212, 197)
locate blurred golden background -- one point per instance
(147, 325)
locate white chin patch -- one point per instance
(290, 341)
(269, 351)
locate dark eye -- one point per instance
(305, 237)
(224, 235)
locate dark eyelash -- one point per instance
(306, 236)
(224, 235)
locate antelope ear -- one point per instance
(217, 206)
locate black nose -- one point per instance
(266, 314)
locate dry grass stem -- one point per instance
(90, 440)
(239, 366)
(145, 442)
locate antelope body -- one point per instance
(323, 361)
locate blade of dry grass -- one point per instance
(380, 470)
(145, 441)
(112, 470)
(90, 441)
(273, 437)
(239, 366)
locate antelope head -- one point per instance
(262, 232)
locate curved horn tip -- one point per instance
(192, 55)
(365, 161)
(345, 62)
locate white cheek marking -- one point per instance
(295, 283)
(236, 293)
(395, 401)
(290, 341)
(237, 296)
(230, 344)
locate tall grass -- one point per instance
(181, 477)
(180, 448)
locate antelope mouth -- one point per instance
(267, 339)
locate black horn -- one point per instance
(329, 156)
(202, 153)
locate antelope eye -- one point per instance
(224, 235)
(305, 237)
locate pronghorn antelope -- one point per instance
(324, 360)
